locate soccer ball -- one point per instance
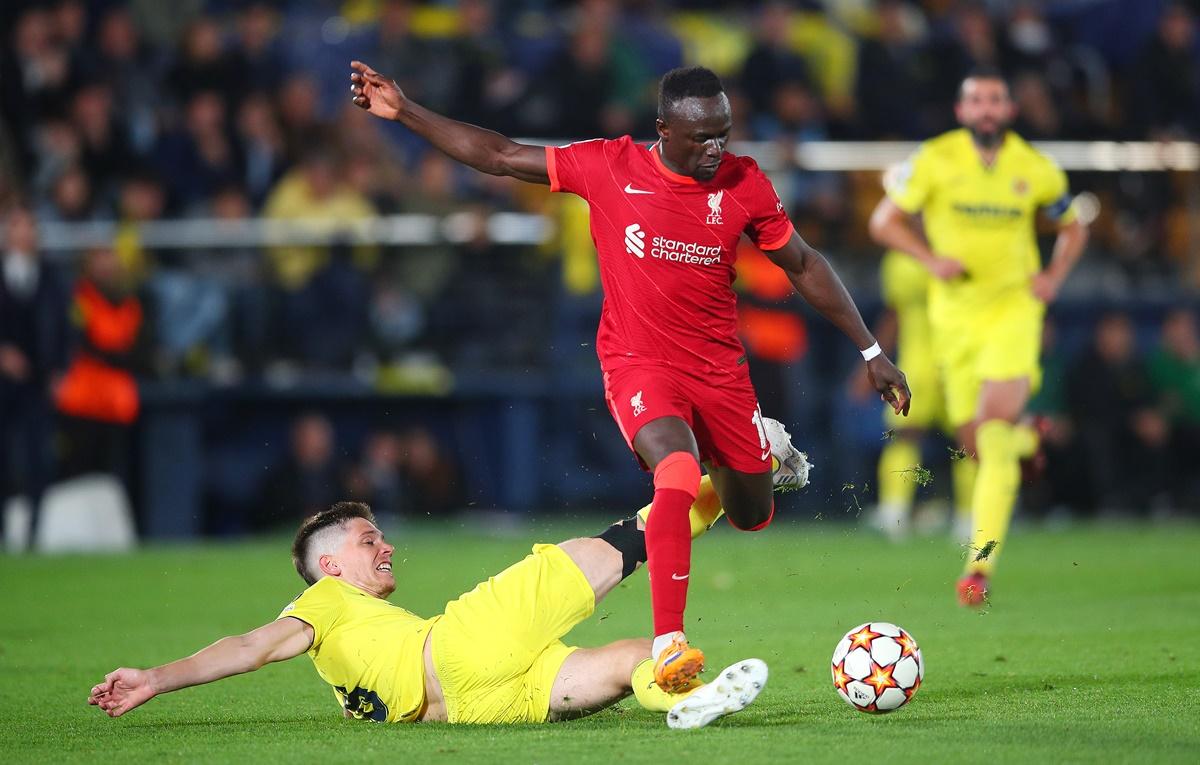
(877, 667)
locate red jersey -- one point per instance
(667, 245)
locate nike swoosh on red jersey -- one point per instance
(629, 189)
(679, 578)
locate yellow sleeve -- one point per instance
(320, 606)
(909, 184)
(1054, 197)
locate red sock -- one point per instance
(669, 538)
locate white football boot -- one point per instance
(732, 691)
(792, 471)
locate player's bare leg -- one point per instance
(790, 469)
(668, 447)
(998, 400)
(600, 562)
(992, 438)
(594, 678)
(663, 436)
(748, 498)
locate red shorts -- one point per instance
(725, 418)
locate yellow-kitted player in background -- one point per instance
(978, 190)
(905, 288)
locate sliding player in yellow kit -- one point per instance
(495, 655)
(905, 288)
(978, 190)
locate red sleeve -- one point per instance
(552, 168)
(571, 166)
(769, 227)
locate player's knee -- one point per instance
(756, 519)
(679, 471)
(1002, 410)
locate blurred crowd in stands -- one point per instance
(135, 111)
(138, 110)
(1122, 426)
(402, 475)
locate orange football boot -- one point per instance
(678, 666)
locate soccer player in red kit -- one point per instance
(666, 220)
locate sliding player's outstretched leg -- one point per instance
(593, 678)
(704, 512)
(590, 679)
(731, 691)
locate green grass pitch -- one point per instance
(1090, 652)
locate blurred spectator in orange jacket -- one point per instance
(99, 394)
(772, 329)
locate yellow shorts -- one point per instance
(916, 359)
(1003, 342)
(497, 650)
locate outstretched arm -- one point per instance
(816, 281)
(484, 150)
(124, 689)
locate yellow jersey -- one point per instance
(982, 216)
(369, 650)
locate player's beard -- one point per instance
(988, 139)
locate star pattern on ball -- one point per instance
(908, 646)
(908, 692)
(840, 678)
(863, 638)
(881, 678)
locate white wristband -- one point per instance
(872, 352)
